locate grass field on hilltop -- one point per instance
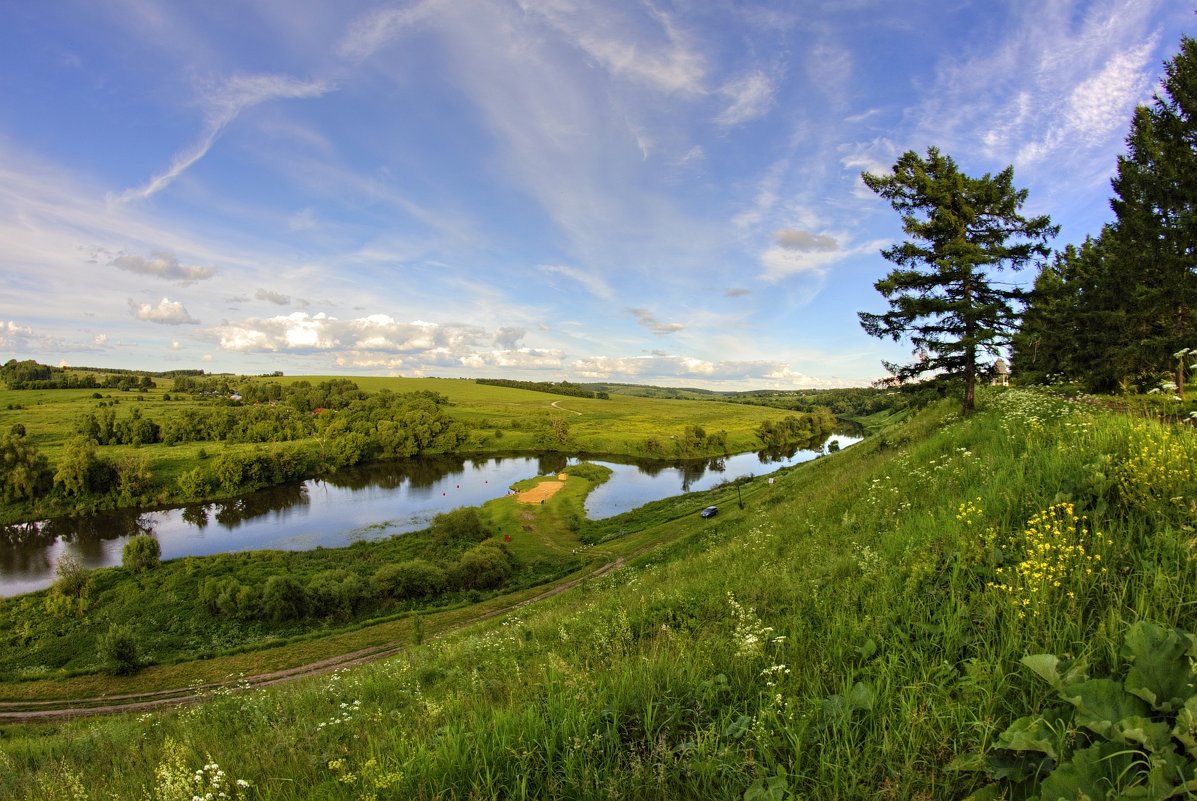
(854, 632)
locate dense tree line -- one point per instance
(1118, 311)
(29, 374)
(554, 388)
(807, 428)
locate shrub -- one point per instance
(141, 553)
(118, 650)
(194, 483)
(335, 592)
(459, 527)
(483, 567)
(415, 578)
(282, 599)
(74, 580)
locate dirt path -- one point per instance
(555, 405)
(35, 711)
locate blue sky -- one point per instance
(619, 191)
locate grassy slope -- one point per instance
(838, 638)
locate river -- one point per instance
(361, 503)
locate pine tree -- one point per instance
(943, 298)
(1155, 237)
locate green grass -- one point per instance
(840, 638)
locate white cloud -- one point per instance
(594, 284)
(372, 32)
(750, 97)
(1097, 108)
(795, 239)
(649, 321)
(167, 312)
(162, 264)
(221, 107)
(303, 220)
(658, 54)
(783, 262)
(277, 298)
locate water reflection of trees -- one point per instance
(782, 453)
(548, 463)
(423, 472)
(233, 513)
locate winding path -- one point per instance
(555, 405)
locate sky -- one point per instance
(644, 192)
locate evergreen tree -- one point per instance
(1155, 237)
(942, 297)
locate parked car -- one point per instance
(710, 511)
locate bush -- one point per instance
(415, 578)
(335, 592)
(483, 567)
(118, 651)
(282, 599)
(194, 483)
(74, 580)
(459, 527)
(141, 553)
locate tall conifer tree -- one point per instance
(942, 295)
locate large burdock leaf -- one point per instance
(1091, 773)
(1047, 667)
(1185, 730)
(1153, 736)
(1161, 673)
(1029, 734)
(1100, 703)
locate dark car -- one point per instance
(710, 511)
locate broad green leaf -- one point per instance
(861, 696)
(1091, 773)
(1047, 667)
(1029, 734)
(1161, 673)
(1101, 703)
(1185, 729)
(1153, 736)
(1017, 766)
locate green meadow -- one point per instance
(856, 631)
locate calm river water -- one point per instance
(357, 504)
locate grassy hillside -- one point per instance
(854, 632)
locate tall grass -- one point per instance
(844, 636)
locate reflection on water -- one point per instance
(365, 502)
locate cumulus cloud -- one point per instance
(162, 264)
(594, 284)
(749, 97)
(794, 239)
(649, 321)
(14, 336)
(509, 337)
(379, 341)
(167, 312)
(277, 298)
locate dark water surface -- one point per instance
(361, 503)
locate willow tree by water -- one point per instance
(943, 296)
